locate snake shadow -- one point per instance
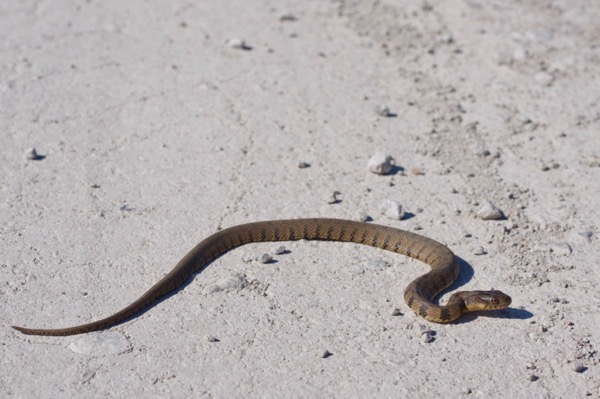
(466, 274)
(137, 315)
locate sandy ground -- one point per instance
(153, 132)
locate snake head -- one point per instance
(485, 300)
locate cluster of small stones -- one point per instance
(264, 257)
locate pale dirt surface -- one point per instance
(155, 133)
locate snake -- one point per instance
(418, 295)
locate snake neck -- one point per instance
(419, 296)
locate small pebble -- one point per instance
(333, 198)
(480, 150)
(383, 110)
(509, 226)
(280, 250)
(381, 163)
(479, 251)
(392, 209)
(211, 338)
(287, 17)
(544, 167)
(363, 216)
(397, 312)
(585, 235)
(524, 119)
(264, 258)
(425, 333)
(326, 354)
(303, 165)
(31, 154)
(237, 43)
(578, 367)
(446, 38)
(530, 366)
(489, 211)
(427, 338)
(532, 377)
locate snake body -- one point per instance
(419, 294)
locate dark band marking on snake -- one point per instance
(419, 294)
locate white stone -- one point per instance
(31, 154)
(489, 211)
(380, 163)
(237, 43)
(392, 209)
(479, 251)
(264, 258)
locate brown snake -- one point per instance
(418, 295)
